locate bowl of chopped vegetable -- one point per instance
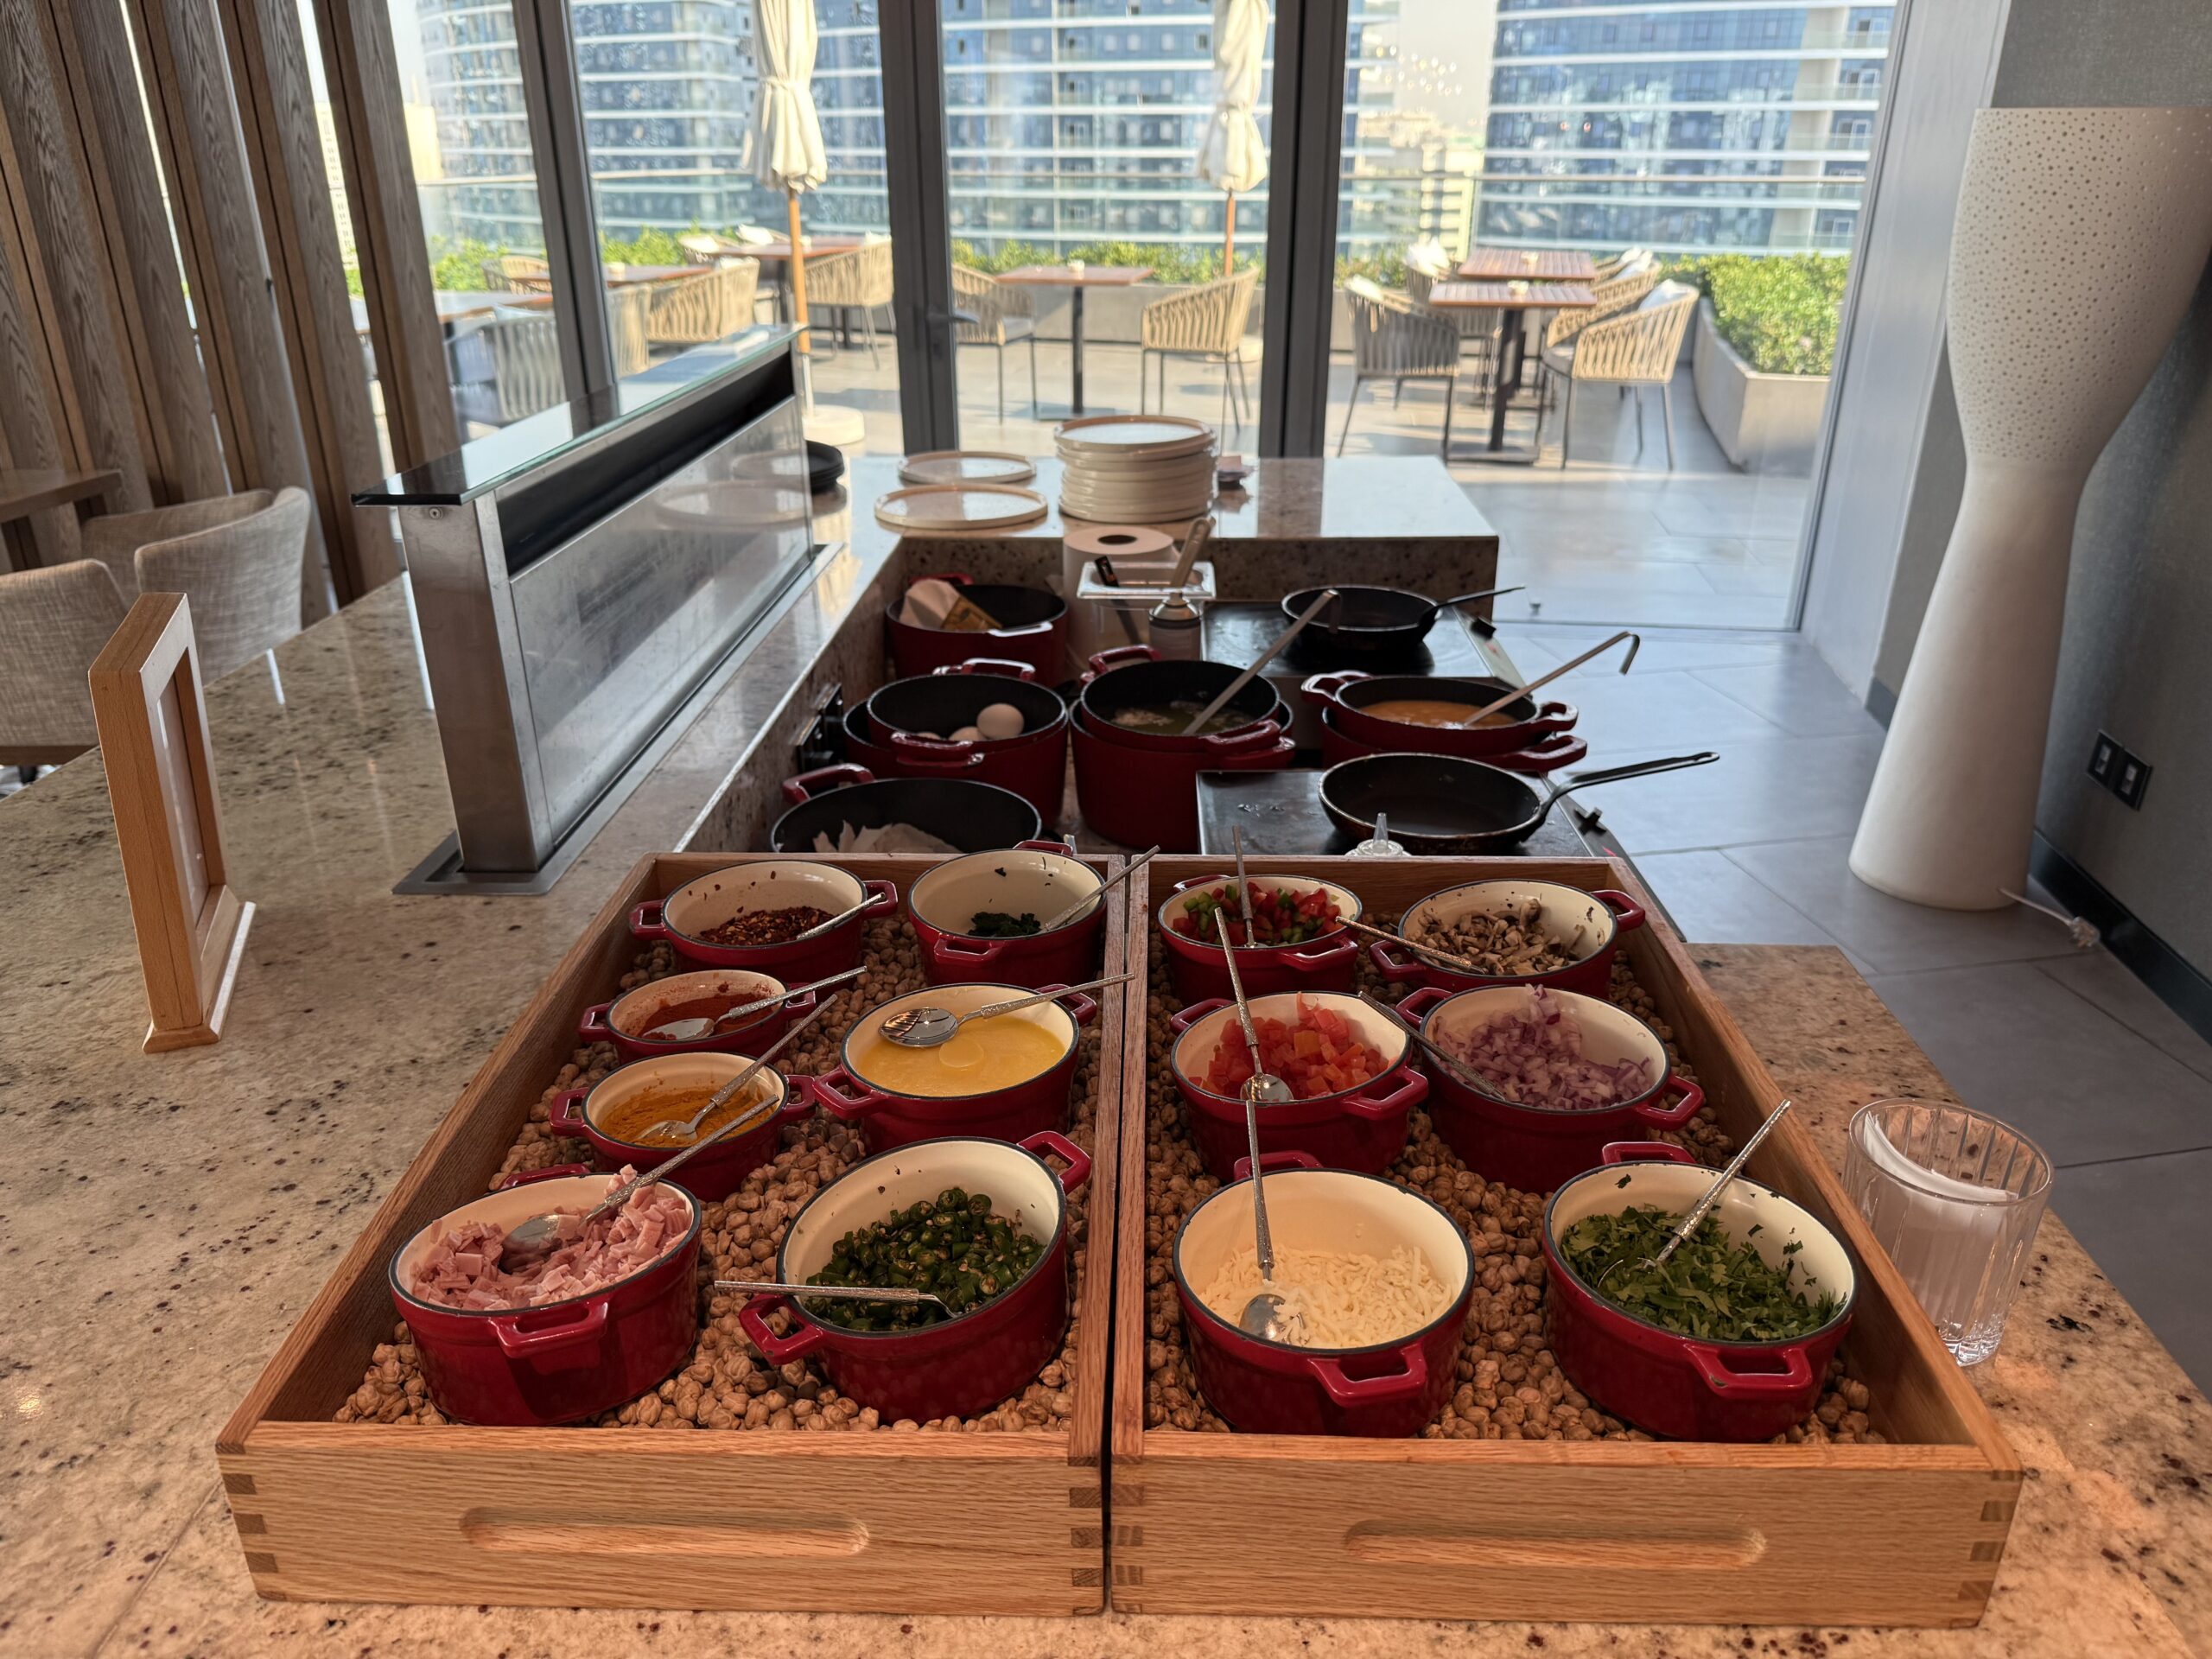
(751, 916)
(1350, 1068)
(1524, 932)
(1561, 1074)
(981, 1224)
(983, 918)
(1298, 941)
(981, 720)
(1730, 1340)
(1005, 1077)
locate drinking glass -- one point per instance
(1954, 1196)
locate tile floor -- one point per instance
(2066, 1043)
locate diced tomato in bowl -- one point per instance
(1319, 1054)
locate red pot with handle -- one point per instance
(721, 1168)
(1328, 961)
(1363, 1128)
(705, 903)
(857, 1091)
(1533, 1148)
(627, 1021)
(916, 719)
(1684, 1387)
(962, 1365)
(1544, 754)
(1523, 724)
(1033, 629)
(560, 1362)
(1588, 925)
(1038, 878)
(1387, 1390)
(1139, 788)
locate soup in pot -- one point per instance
(1169, 718)
(1433, 711)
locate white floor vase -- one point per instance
(2080, 239)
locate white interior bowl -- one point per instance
(637, 1011)
(1050, 1017)
(509, 1209)
(1567, 912)
(1023, 1189)
(708, 1070)
(1610, 1035)
(771, 884)
(1176, 903)
(1043, 884)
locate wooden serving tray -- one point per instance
(1905, 1533)
(853, 1520)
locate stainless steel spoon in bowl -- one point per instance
(934, 1027)
(1099, 891)
(836, 1292)
(1263, 1315)
(690, 1031)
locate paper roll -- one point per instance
(1133, 543)
(1139, 553)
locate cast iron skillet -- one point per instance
(1450, 806)
(975, 818)
(1373, 621)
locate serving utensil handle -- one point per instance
(1266, 656)
(1052, 996)
(1635, 641)
(1698, 1211)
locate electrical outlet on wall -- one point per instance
(2104, 759)
(2127, 776)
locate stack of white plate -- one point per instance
(1135, 469)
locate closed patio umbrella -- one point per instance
(786, 129)
(1233, 155)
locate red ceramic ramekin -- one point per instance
(1343, 697)
(686, 915)
(1589, 924)
(707, 995)
(1033, 629)
(1533, 1148)
(915, 720)
(534, 1367)
(721, 1168)
(1682, 1387)
(1358, 1128)
(1543, 755)
(1038, 878)
(888, 1119)
(1386, 1390)
(973, 1361)
(1328, 962)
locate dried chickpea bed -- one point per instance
(727, 1384)
(1511, 1388)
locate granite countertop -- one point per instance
(166, 1217)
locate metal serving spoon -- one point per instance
(686, 1031)
(1262, 1316)
(848, 1292)
(1262, 1087)
(540, 1234)
(934, 1027)
(1099, 891)
(1688, 1224)
(1458, 1069)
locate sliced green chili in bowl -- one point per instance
(952, 1246)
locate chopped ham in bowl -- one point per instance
(461, 1269)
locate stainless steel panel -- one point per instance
(616, 625)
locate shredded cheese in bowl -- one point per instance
(1340, 1300)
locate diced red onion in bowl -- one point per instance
(1533, 1058)
(462, 1268)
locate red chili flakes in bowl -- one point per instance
(766, 926)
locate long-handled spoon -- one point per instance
(1099, 891)
(1698, 1211)
(1466, 965)
(687, 1030)
(842, 916)
(1636, 643)
(933, 1028)
(1262, 1316)
(1266, 656)
(541, 1233)
(846, 1293)
(1457, 1068)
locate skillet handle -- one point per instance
(1638, 769)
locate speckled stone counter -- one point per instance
(165, 1218)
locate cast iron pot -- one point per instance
(1588, 923)
(1032, 763)
(1328, 962)
(1388, 1390)
(1033, 629)
(1543, 755)
(706, 902)
(889, 1119)
(561, 1362)
(1446, 805)
(973, 1361)
(721, 1168)
(972, 816)
(1372, 621)
(1363, 1128)
(1041, 877)
(705, 995)
(1533, 1148)
(1346, 694)
(1683, 1387)
(1130, 675)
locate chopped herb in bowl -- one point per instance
(999, 925)
(1713, 1287)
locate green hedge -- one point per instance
(1778, 311)
(1170, 262)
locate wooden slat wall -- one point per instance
(66, 270)
(184, 454)
(362, 74)
(218, 223)
(27, 435)
(275, 105)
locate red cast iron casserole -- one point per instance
(721, 1168)
(707, 995)
(1038, 878)
(1342, 696)
(1328, 961)
(1033, 629)
(1590, 923)
(706, 902)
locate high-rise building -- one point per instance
(1692, 127)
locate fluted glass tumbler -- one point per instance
(1954, 1196)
